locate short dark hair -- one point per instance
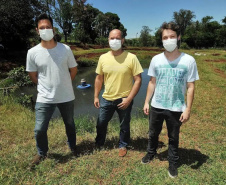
(171, 26)
(41, 17)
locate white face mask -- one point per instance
(46, 34)
(115, 44)
(170, 44)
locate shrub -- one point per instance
(102, 41)
(25, 100)
(20, 76)
(184, 45)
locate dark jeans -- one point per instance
(107, 109)
(44, 112)
(157, 116)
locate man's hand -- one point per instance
(146, 108)
(97, 102)
(124, 104)
(185, 116)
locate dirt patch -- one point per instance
(89, 55)
(216, 54)
(221, 73)
(219, 60)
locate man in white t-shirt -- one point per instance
(172, 74)
(52, 66)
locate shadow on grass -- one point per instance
(190, 157)
(139, 144)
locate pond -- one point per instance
(84, 97)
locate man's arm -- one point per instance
(97, 88)
(73, 72)
(33, 76)
(136, 86)
(190, 96)
(150, 91)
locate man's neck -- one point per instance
(171, 56)
(48, 44)
(117, 53)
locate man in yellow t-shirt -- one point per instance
(121, 73)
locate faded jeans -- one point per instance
(156, 118)
(44, 112)
(107, 109)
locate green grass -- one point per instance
(202, 142)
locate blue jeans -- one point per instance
(156, 118)
(44, 112)
(107, 109)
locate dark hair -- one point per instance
(171, 26)
(41, 17)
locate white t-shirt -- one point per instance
(54, 80)
(171, 80)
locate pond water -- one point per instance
(84, 97)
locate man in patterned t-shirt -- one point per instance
(172, 74)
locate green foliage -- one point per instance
(102, 41)
(184, 45)
(16, 20)
(25, 100)
(20, 76)
(86, 62)
(145, 37)
(63, 15)
(183, 18)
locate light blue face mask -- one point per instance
(115, 44)
(46, 34)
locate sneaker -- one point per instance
(147, 158)
(37, 159)
(122, 152)
(172, 170)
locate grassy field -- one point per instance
(202, 140)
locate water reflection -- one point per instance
(84, 97)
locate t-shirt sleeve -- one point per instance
(99, 69)
(151, 70)
(30, 63)
(193, 72)
(137, 69)
(71, 59)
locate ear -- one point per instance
(54, 31)
(123, 40)
(37, 30)
(179, 37)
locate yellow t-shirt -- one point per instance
(118, 74)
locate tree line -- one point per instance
(77, 20)
(74, 18)
(206, 33)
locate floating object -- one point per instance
(83, 85)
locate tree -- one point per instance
(145, 37)
(224, 20)
(17, 21)
(183, 18)
(62, 13)
(91, 24)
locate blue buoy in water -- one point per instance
(86, 86)
(83, 85)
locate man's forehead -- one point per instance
(168, 32)
(115, 33)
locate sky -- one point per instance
(134, 14)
